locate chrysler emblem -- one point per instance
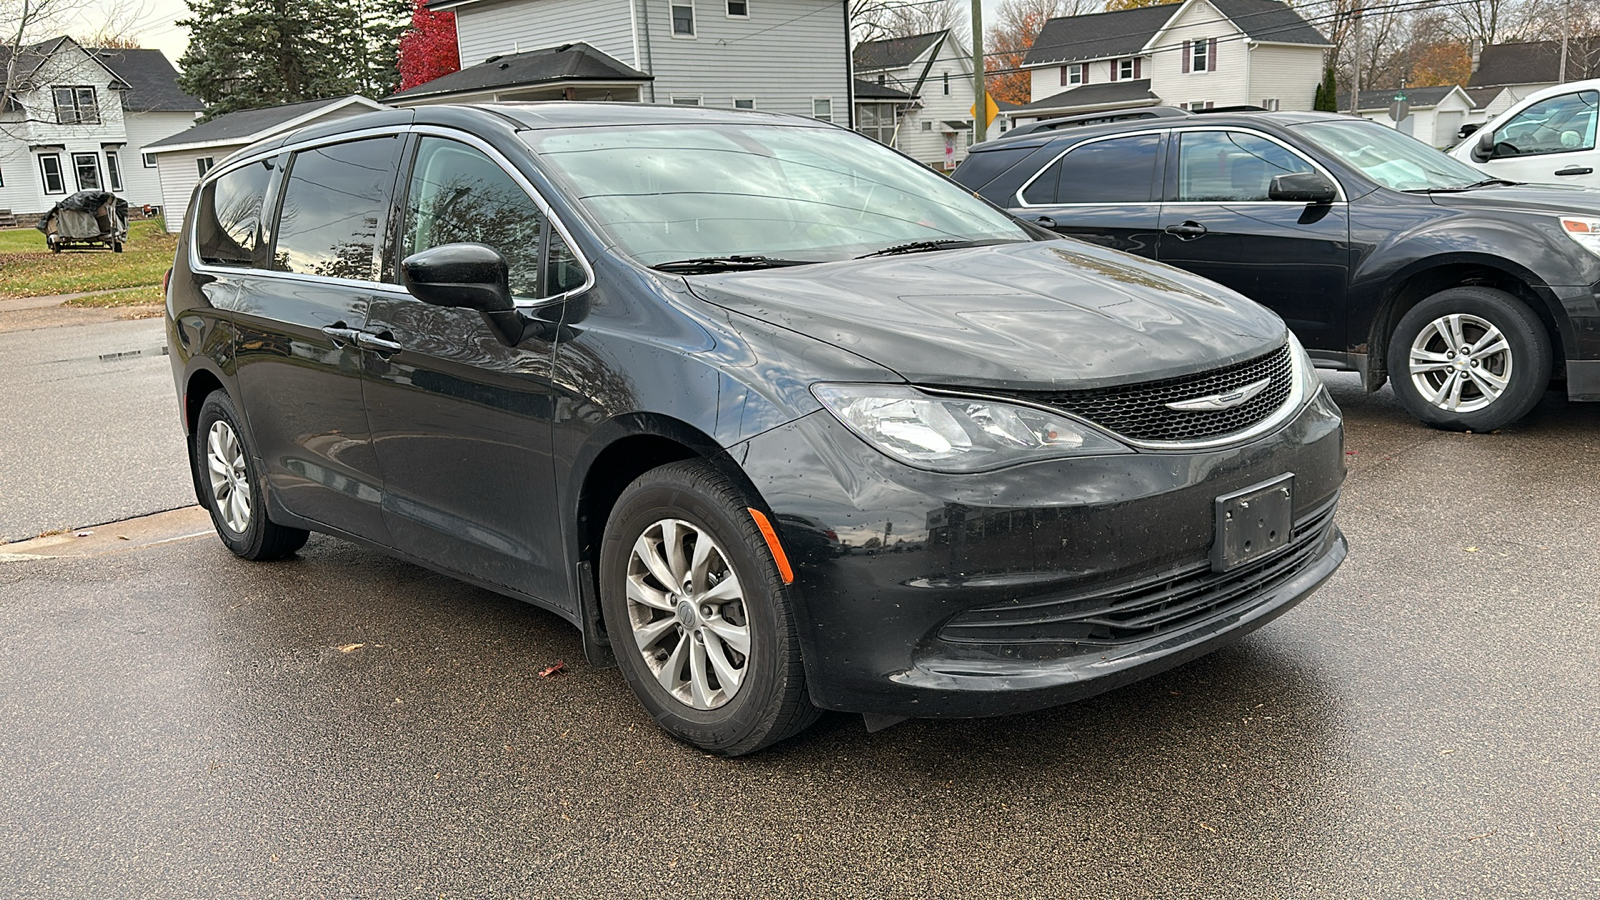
(1222, 401)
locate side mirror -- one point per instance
(1484, 150)
(1302, 187)
(465, 276)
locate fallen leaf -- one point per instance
(350, 648)
(1446, 752)
(123, 537)
(1472, 549)
(83, 534)
(556, 669)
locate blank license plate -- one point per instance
(1253, 523)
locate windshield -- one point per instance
(681, 192)
(1389, 157)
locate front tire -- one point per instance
(699, 618)
(230, 482)
(1470, 359)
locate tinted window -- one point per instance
(986, 165)
(1552, 126)
(1120, 170)
(228, 225)
(1226, 166)
(334, 208)
(459, 195)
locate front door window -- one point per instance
(1556, 125)
(1230, 166)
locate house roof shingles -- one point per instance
(568, 62)
(1418, 97)
(152, 81)
(1126, 32)
(893, 53)
(871, 90)
(1129, 91)
(1536, 62)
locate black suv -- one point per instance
(1384, 255)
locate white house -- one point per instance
(1436, 113)
(915, 94)
(1194, 54)
(182, 158)
(790, 56)
(82, 119)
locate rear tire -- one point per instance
(700, 621)
(1470, 359)
(231, 483)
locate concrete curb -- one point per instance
(113, 537)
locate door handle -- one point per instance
(340, 334)
(381, 343)
(1188, 231)
(1045, 222)
(1575, 170)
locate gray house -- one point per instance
(790, 56)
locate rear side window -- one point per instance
(1118, 170)
(228, 227)
(986, 165)
(334, 208)
(459, 195)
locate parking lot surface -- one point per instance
(175, 722)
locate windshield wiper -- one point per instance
(919, 247)
(707, 264)
(1465, 187)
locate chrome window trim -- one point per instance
(1023, 204)
(477, 143)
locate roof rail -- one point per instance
(1243, 107)
(1096, 118)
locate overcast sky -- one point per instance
(154, 24)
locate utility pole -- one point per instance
(1355, 95)
(1566, 32)
(980, 94)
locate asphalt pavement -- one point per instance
(89, 428)
(175, 722)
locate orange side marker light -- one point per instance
(778, 556)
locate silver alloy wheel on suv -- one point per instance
(1461, 363)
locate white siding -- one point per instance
(1289, 75)
(23, 191)
(1226, 86)
(513, 26)
(180, 172)
(141, 186)
(937, 108)
(785, 54)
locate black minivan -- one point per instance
(779, 419)
(1385, 256)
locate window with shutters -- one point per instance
(1200, 56)
(1075, 74)
(1127, 68)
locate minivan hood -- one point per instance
(1034, 315)
(1536, 198)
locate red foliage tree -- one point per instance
(428, 50)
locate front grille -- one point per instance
(1145, 608)
(1138, 412)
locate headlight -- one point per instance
(958, 434)
(1583, 230)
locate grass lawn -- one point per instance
(29, 269)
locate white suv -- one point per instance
(1547, 137)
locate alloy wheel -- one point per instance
(1460, 363)
(230, 482)
(686, 609)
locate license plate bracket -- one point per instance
(1253, 523)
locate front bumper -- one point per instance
(933, 595)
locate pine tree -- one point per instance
(1327, 93)
(428, 49)
(381, 23)
(245, 54)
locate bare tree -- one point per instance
(876, 20)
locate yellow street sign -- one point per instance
(992, 108)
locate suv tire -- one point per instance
(229, 478)
(1469, 359)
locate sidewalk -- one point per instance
(28, 313)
